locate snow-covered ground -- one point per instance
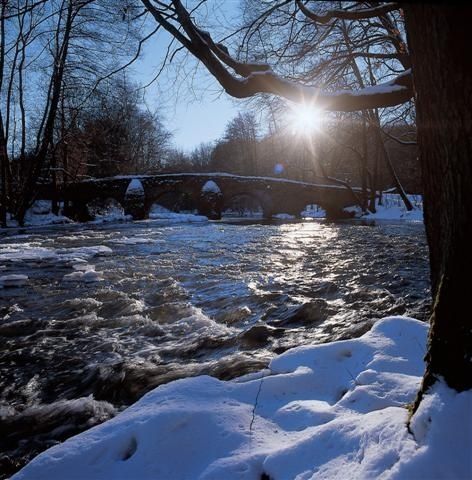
(313, 211)
(108, 212)
(330, 411)
(393, 208)
(40, 214)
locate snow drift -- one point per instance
(328, 411)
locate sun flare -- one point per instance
(305, 119)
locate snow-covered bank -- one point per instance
(393, 208)
(158, 212)
(331, 411)
(108, 212)
(40, 214)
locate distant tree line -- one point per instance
(343, 149)
(115, 135)
(67, 110)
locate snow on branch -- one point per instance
(253, 78)
(394, 92)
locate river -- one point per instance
(111, 311)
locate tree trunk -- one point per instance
(442, 69)
(46, 132)
(54, 201)
(391, 169)
(3, 176)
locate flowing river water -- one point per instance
(170, 300)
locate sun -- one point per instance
(305, 119)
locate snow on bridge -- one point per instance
(209, 193)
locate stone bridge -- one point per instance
(209, 193)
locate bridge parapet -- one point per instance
(209, 193)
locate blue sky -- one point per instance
(199, 121)
(194, 107)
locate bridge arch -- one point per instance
(274, 195)
(247, 199)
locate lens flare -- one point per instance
(305, 119)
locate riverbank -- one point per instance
(326, 411)
(390, 208)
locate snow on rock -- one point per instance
(313, 211)
(83, 275)
(83, 272)
(82, 265)
(328, 411)
(211, 187)
(393, 208)
(134, 240)
(13, 280)
(135, 187)
(283, 216)
(87, 252)
(158, 212)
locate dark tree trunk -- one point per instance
(3, 176)
(364, 159)
(54, 201)
(391, 169)
(438, 37)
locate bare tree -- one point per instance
(240, 142)
(49, 49)
(116, 134)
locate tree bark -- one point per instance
(375, 178)
(437, 37)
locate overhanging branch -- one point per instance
(259, 78)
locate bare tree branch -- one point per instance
(259, 78)
(347, 14)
